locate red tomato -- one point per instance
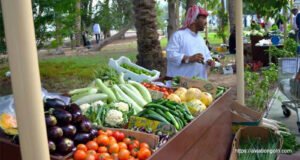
(144, 145)
(103, 156)
(113, 148)
(82, 147)
(122, 145)
(103, 140)
(90, 157)
(144, 153)
(102, 149)
(92, 145)
(118, 135)
(109, 132)
(79, 155)
(133, 146)
(127, 140)
(124, 154)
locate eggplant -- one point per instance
(65, 145)
(54, 103)
(85, 126)
(55, 133)
(94, 133)
(63, 117)
(82, 138)
(69, 131)
(77, 117)
(50, 120)
(73, 108)
(52, 146)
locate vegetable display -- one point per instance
(112, 145)
(166, 91)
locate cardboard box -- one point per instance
(251, 132)
(151, 139)
(203, 85)
(244, 116)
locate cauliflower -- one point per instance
(84, 107)
(122, 106)
(114, 118)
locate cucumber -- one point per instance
(132, 95)
(174, 122)
(156, 117)
(123, 96)
(91, 98)
(163, 108)
(160, 112)
(106, 90)
(171, 106)
(143, 90)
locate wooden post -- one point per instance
(206, 30)
(239, 51)
(26, 85)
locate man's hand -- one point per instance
(211, 63)
(196, 58)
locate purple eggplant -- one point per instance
(54, 103)
(69, 131)
(65, 145)
(52, 146)
(50, 120)
(73, 108)
(55, 133)
(82, 138)
(77, 117)
(93, 133)
(85, 126)
(63, 117)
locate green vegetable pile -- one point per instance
(168, 112)
(250, 145)
(137, 70)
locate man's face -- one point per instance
(294, 12)
(201, 23)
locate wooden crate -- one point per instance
(207, 137)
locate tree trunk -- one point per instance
(173, 19)
(231, 14)
(112, 38)
(189, 3)
(150, 53)
(222, 21)
(78, 24)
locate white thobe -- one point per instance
(186, 42)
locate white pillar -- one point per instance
(26, 85)
(239, 52)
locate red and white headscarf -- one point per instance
(192, 14)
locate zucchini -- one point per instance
(106, 90)
(132, 95)
(123, 96)
(80, 90)
(143, 90)
(82, 94)
(133, 89)
(121, 78)
(91, 98)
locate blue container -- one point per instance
(275, 39)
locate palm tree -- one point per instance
(231, 14)
(78, 23)
(149, 48)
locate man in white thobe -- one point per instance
(187, 53)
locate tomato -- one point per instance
(92, 145)
(82, 147)
(124, 154)
(136, 142)
(144, 145)
(103, 156)
(127, 141)
(114, 156)
(144, 153)
(131, 158)
(133, 146)
(91, 152)
(118, 135)
(102, 149)
(101, 132)
(79, 155)
(112, 140)
(134, 152)
(109, 132)
(103, 140)
(113, 148)
(90, 157)
(122, 145)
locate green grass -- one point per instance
(60, 74)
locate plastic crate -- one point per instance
(116, 64)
